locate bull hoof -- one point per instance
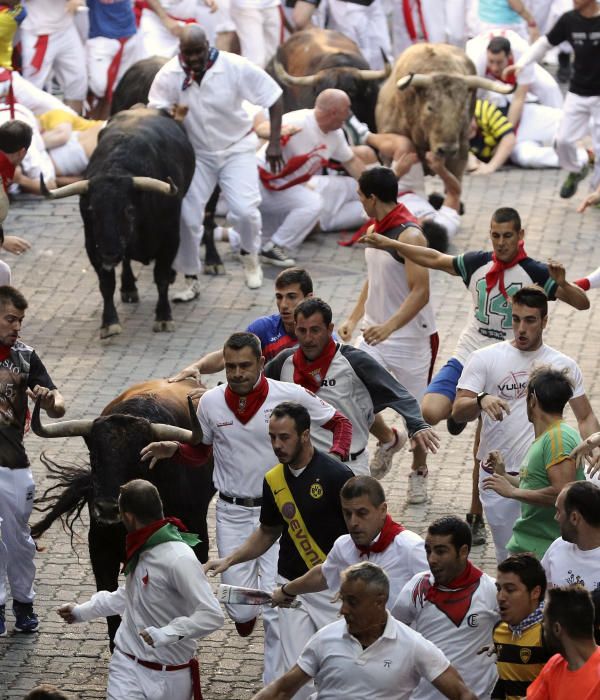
(218, 269)
(164, 326)
(130, 297)
(110, 330)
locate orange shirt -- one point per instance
(556, 682)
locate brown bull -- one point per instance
(315, 59)
(430, 98)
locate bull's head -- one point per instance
(445, 106)
(114, 442)
(109, 208)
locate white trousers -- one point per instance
(407, 359)
(128, 680)
(237, 175)
(580, 115)
(64, 56)
(259, 32)
(32, 97)
(341, 207)
(501, 514)
(445, 22)
(535, 137)
(100, 53)
(17, 549)
(234, 525)
(297, 626)
(367, 26)
(289, 215)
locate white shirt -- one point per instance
(388, 289)
(391, 667)
(459, 643)
(216, 120)
(243, 453)
(401, 560)
(567, 565)
(167, 590)
(46, 16)
(503, 371)
(332, 144)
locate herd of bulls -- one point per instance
(130, 204)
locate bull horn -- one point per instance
(152, 184)
(415, 79)
(65, 428)
(284, 77)
(377, 74)
(161, 431)
(477, 81)
(80, 187)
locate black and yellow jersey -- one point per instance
(492, 126)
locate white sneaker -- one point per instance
(252, 270)
(189, 292)
(417, 487)
(384, 454)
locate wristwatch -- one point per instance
(480, 397)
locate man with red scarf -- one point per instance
(352, 381)
(398, 325)
(491, 277)
(234, 419)
(453, 605)
(166, 604)
(372, 536)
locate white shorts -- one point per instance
(104, 66)
(70, 158)
(448, 218)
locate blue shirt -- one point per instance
(498, 12)
(113, 19)
(273, 336)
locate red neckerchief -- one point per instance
(397, 217)
(311, 374)
(387, 535)
(7, 171)
(495, 274)
(137, 539)
(510, 80)
(190, 76)
(245, 407)
(454, 600)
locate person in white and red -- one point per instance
(207, 88)
(434, 21)
(113, 45)
(234, 418)
(50, 42)
(166, 603)
(372, 534)
(259, 26)
(454, 606)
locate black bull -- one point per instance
(145, 412)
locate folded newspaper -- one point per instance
(247, 596)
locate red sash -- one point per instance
(311, 374)
(298, 169)
(387, 535)
(495, 274)
(41, 45)
(113, 69)
(7, 75)
(407, 11)
(246, 407)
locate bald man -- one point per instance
(291, 205)
(205, 89)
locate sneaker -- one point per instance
(190, 292)
(245, 629)
(569, 186)
(417, 487)
(252, 270)
(357, 131)
(276, 255)
(455, 428)
(25, 619)
(384, 454)
(477, 525)
(2, 621)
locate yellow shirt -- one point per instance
(52, 119)
(10, 18)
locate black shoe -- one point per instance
(25, 619)
(453, 427)
(569, 186)
(477, 525)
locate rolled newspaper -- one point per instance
(247, 596)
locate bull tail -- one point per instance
(65, 499)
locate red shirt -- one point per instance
(7, 171)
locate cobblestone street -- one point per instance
(63, 321)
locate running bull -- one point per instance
(146, 412)
(130, 203)
(315, 59)
(430, 98)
